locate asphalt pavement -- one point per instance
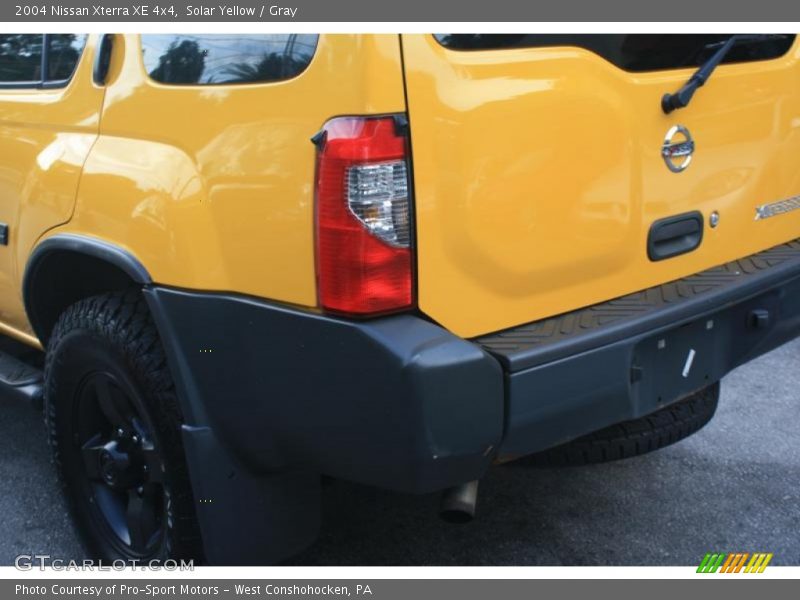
(734, 486)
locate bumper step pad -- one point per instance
(549, 339)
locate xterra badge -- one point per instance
(765, 211)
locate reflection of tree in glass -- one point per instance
(20, 57)
(272, 66)
(63, 54)
(182, 62)
(478, 41)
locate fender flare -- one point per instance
(91, 247)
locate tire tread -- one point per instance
(123, 319)
(636, 437)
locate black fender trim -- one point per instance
(77, 244)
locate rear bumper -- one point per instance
(396, 402)
(579, 372)
(401, 403)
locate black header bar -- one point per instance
(460, 11)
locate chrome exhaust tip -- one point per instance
(458, 503)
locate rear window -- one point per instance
(631, 52)
(226, 59)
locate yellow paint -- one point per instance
(45, 137)
(211, 187)
(538, 173)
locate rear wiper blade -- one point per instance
(683, 96)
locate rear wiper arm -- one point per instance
(683, 96)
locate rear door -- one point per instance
(49, 118)
(539, 172)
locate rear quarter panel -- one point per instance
(211, 187)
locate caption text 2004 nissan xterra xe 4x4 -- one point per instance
(231, 265)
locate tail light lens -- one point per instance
(363, 217)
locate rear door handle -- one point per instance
(675, 235)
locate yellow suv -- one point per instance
(232, 264)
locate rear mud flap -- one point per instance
(248, 519)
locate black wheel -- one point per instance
(633, 438)
(114, 427)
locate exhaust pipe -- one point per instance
(458, 503)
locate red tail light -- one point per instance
(363, 217)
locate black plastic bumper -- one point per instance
(273, 396)
(396, 402)
(581, 371)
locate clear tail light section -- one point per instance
(363, 217)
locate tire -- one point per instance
(634, 438)
(114, 427)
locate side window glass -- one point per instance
(21, 58)
(226, 59)
(63, 53)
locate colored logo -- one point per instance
(734, 562)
